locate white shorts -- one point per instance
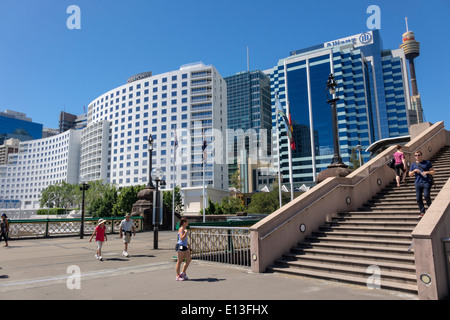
(126, 237)
(99, 244)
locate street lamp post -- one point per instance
(158, 174)
(332, 88)
(84, 187)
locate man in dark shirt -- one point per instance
(422, 169)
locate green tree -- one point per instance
(235, 180)
(167, 199)
(102, 205)
(60, 195)
(354, 160)
(211, 209)
(266, 202)
(231, 205)
(126, 199)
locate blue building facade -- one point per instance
(373, 103)
(24, 130)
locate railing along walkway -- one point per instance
(229, 245)
(36, 228)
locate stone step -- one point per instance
(359, 270)
(356, 247)
(403, 266)
(354, 240)
(388, 285)
(377, 235)
(364, 235)
(406, 225)
(380, 214)
(351, 255)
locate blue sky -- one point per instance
(46, 68)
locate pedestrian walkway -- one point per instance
(65, 268)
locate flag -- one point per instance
(287, 123)
(204, 146)
(175, 146)
(291, 129)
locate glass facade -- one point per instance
(249, 107)
(372, 103)
(19, 129)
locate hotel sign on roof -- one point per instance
(358, 40)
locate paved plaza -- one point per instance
(65, 269)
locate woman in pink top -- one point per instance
(400, 165)
(100, 237)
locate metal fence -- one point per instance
(63, 227)
(229, 245)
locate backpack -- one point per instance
(391, 163)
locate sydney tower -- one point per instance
(411, 47)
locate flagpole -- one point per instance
(289, 146)
(278, 148)
(204, 164)
(175, 144)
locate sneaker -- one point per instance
(179, 278)
(185, 277)
(125, 254)
(100, 258)
(96, 256)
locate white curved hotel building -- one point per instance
(189, 103)
(38, 164)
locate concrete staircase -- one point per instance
(375, 240)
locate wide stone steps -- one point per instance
(371, 243)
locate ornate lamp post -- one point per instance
(84, 187)
(337, 168)
(332, 89)
(158, 174)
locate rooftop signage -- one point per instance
(357, 40)
(139, 76)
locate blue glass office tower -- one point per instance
(17, 125)
(373, 101)
(248, 107)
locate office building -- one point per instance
(38, 164)
(249, 121)
(10, 146)
(69, 121)
(18, 126)
(373, 105)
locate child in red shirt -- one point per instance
(100, 237)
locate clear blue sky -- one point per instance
(46, 68)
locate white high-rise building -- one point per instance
(189, 103)
(38, 164)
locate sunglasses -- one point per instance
(417, 155)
